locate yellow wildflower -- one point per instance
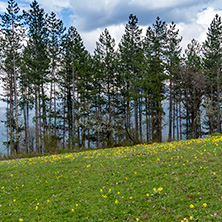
(205, 205)
(154, 189)
(191, 206)
(160, 189)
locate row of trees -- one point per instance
(113, 97)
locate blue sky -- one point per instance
(91, 17)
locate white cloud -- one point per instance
(158, 4)
(116, 32)
(3, 6)
(52, 5)
(198, 28)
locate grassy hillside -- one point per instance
(178, 181)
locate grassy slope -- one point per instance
(117, 184)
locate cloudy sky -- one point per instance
(91, 17)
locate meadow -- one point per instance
(176, 181)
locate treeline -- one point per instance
(111, 98)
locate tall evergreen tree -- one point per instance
(37, 63)
(130, 49)
(74, 69)
(173, 51)
(213, 66)
(192, 83)
(155, 42)
(56, 33)
(12, 35)
(105, 58)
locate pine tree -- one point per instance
(193, 83)
(155, 43)
(55, 35)
(37, 66)
(213, 64)
(11, 37)
(173, 51)
(130, 49)
(105, 58)
(73, 83)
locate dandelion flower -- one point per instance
(14, 200)
(137, 219)
(205, 205)
(154, 189)
(147, 195)
(48, 201)
(77, 205)
(160, 189)
(191, 217)
(191, 206)
(73, 210)
(20, 219)
(116, 201)
(36, 208)
(131, 198)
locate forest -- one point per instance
(112, 97)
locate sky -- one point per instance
(91, 17)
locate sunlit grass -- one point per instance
(177, 181)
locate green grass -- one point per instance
(119, 184)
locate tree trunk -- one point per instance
(40, 122)
(180, 113)
(177, 120)
(136, 120)
(140, 121)
(50, 105)
(11, 117)
(36, 121)
(55, 109)
(170, 113)
(218, 102)
(73, 108)
(110, 139)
